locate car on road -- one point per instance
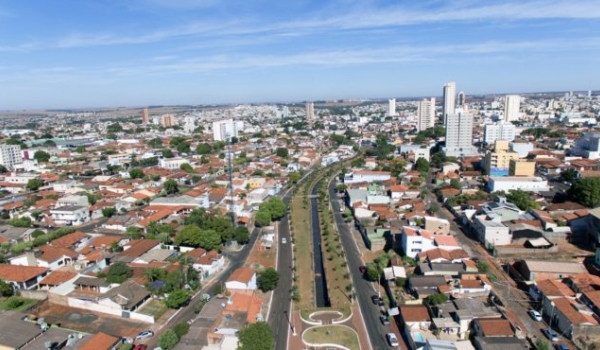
(392, 340)
(376, 300)
(362, 269)
(384, 319)
(535, 315)
(144, 334)
(562, 347)
(550, 334)
(284, 240)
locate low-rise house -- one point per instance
(98, 341)
(471, 287)
(16, 234)
(22, 277)
(70, 215)
(437, 225)
(491, 232)
(242, 279)
(46, 256)
(73, 240)
(206, 263)
(499, 343)
(135, 249)
(424, 286)
(533, 270)
(439, 255)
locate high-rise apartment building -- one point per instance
(459, 135)
(391, 107)
(310, 111)
(426, 114)
(225, 129)
(145, 116)
(10, 155)
(449, 100)
(512, 105)
(168, 120)
(499, 131)
(189, 124)
(461, 99)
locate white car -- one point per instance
(535, 315)
(283, 240)
(144, 334)
(392, 340)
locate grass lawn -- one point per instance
(303, 249)
(340, 335)
(26, 304)
(154, 308)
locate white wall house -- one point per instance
(491, 231)
(70, 215)
(416, 240)
(172, 163)
(366, 176)
(243, 278)
(525, 183)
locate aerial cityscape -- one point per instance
(262, 176)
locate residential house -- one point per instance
(491, 232)
(242, 279)
(500, 343)
(99, 341)
(424, 286)
(206, 263)
(46, 256)
(70, 215)
(136, 248)
(23, 277)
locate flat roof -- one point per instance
(15, 331)
(555, 266)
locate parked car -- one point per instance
(550, 334)
(376, 300)
(144, 334)
(392, 340)
(562, 347)
(384, 319)
(140, 347)
(535, 315)
(362, 269)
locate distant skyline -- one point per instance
(102, 53)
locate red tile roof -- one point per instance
(17, 273)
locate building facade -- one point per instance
(459, 135)
(449, 99)
(512, 105)
(499, 131)
(426, 114)
(225, 129)
(10, 155)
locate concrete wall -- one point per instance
(34, 294)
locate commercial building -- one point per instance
(367, 176)
(145, 116)
(525, 183)
(459, 135)
(449, 100)
(10, 155)
(225, 129)
(521, 167)
(499, 131)
(426, 114)
(512, 105)
(588, 146)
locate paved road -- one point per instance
(236, 259)
(363, 288)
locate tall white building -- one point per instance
(426, 114)
(391, 107)
(459, 135)
(499, 131)
(10, 155)
(512, 105)
(449, 100)
(310, 111)
(189, 124)
(225, 129)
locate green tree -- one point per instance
(6, 290)
(181, 329)
(435, 299)
(262, 218)
(118, 272)
(3, 169)
(170, 186)
(136, 173)
(522, 199)
(155, 143)
(188, 236)
(275, 207)
(438, 158)
(204, 148)
(108, 212)
(586, 191)
(373, 271)
(241, 234)
(133, 232)
(209, 240)
(569, 174)
(256, 336)
(167, 153)
(114, 128)
(294, 177)
(20, 222)
(281, 152)
(483, 267)
(267, 280)
(41, 156)
(168, 340)
(455, 183)
(34, 184)
(187, 168)
(183, 147)
(177, 298)
(541, 344)
(422, 165)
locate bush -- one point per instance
(14, 302)
(168, 339)
(181, 329)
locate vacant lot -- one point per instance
(88, 322)
(17, 304)
(154, 308)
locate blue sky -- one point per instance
(100, 53)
